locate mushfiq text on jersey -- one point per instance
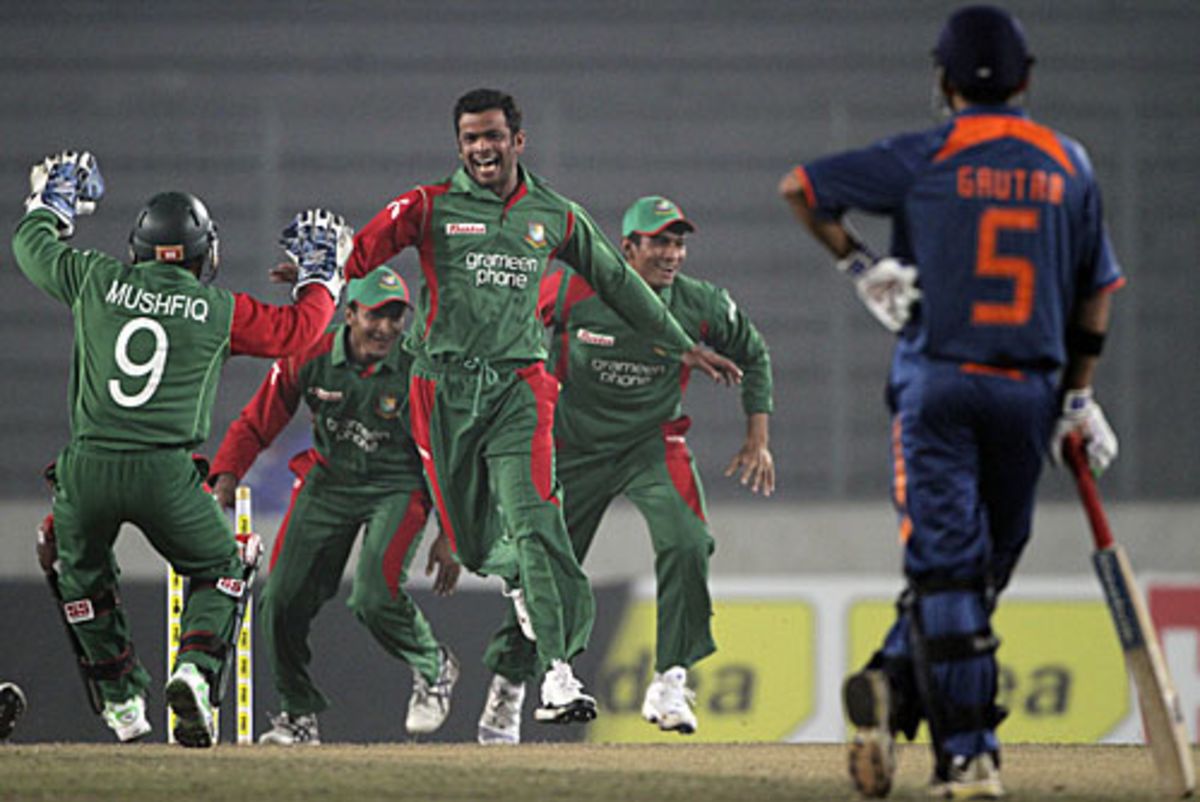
(995, 183)
(135, 299)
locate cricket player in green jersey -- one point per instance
(363, 472)
(482, 401)
(620, 430)
(150, 339)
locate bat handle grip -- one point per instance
(1076, 457)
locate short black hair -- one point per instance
(480, 100)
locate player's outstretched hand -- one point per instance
(716, 367)
(66, 184)
(223, 489)
(1081, 413)
(441, 556)
(318, 242)
(756, 465)
(887, 287)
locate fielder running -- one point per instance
(150, 339)
(997, 231)
(619, 430)
(363, 472)
(482, 401)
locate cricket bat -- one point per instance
(1162, 714)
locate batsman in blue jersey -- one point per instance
(997, 282)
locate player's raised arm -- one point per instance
(317, 242)
(62, 187)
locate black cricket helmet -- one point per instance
(175, 228)
(982, 50)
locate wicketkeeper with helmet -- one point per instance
(998, 283)
(151, 337)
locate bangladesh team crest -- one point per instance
(536, 235)
(388, 406)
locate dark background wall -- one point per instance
(368, 689)
(264, 108)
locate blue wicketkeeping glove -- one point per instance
(319, 243)
(66, 184)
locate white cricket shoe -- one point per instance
(187, 696)
(976, 777)
(430, 704)
(517, 596)
(127, 719)
(287, 730)
(12, 705)
(668, 702)
(563, 699)
(872, 750)
(501, 719)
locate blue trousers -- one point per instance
(969, 442)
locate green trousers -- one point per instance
(307, 562)
(659, 476)
(159, 492)
(486, 437)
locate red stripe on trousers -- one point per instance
(420, 406)
(541, 447)
(300, 465)
(402, 539)
(679, 463)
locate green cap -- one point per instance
(650, 215)
(381, 286)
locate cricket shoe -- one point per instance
(975, 777)
(563, 699)
(501, 719)
(287, 730)
(668, 702)
(12, 705)
(517, 596)
(187, 696)
(127, 719)
(872, 750)
(430, 704)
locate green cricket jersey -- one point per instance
(359, 416)
(150, 340)
(616, 389)
(482, 258)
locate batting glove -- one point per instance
(887, 287)
(318, 242)
(66, 184)
(1081, 412)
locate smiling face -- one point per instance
(373, 332)
(657, 258)
(489, 150)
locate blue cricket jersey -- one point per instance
(1002, 217)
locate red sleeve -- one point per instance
(261, 329)
(547, 295)
(261, 420)
(396, 227)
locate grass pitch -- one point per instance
(574, 772)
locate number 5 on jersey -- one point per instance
(990, 264)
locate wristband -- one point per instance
(1083, 342)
